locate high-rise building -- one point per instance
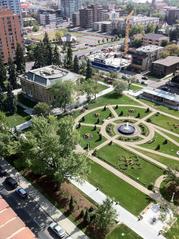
(86, 18)
(13, 5)
(76, 19)
(68, 7)
(10, 34)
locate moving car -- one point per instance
(57, 229)
(22, 192)
(11, 182)
(2, 172)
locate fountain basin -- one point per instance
(126, 129)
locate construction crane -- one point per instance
(126, 40)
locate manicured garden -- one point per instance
(122, 192)
(97, 116)
(160, 144)
(129, 111)
(166, 122)
(18, 118)
(90, 138)
(122, 231)
(130, 164)
(161, 107)
(174, 164)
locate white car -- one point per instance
(57, 229)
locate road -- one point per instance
(29, 211)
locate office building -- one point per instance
(86, 18)
(163, 67)
(154, 39)
(10, 34)
(36, 83)
(143, 57)
(172, 15)
(68, 7)
(76, 19)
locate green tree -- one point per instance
(105, 216)
(12, 74)
(56, 57)
(1, 100)
(69, 58)
(44, 149)
(39, 58)
(90, 88)
(120, 86)
(10, 102)
(88, 70)
(20, 59)
(42, 109)
(63, 94)
(3, 75)
(136, 43)
(76, 67)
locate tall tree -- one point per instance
(56, 56)
(20, 59)
(39, 56)
(105, 216)
(120, 86)
(69, 57)
(3, 75)
(88, 70)
(47, 50)
(45, 149)
(12, 74)
(89, 87)
(1, 100)
(76, 67)
(10, 101)
(41, 109)
(63, 94)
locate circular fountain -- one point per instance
(126, 129)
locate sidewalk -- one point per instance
(142, 228)
(46, 205)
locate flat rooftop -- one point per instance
(163, 94)
(149, 48)
(154, 37)
(168, 61)
(48, 75)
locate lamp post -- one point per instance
(173, 195)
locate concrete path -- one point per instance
(23, 126)
(45, 204)
(146, 231)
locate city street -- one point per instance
(36, 211)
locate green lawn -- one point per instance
(161, 107)
(121, 232)
(18, 118)
(165, 160)
(135, 87)
(101, 87)
(93, 139)
(173, 233)
(168, 148)
(114, 99)
(130, 164)
(131, 111)
(166, 122)
(129, 197)
(92, 117)
(172, 136)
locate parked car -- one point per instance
(144, 78)
(11, 182)
(2, 172)
(22, 192)
(57, 229)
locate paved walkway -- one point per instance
(45, 204)
(143, 229)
